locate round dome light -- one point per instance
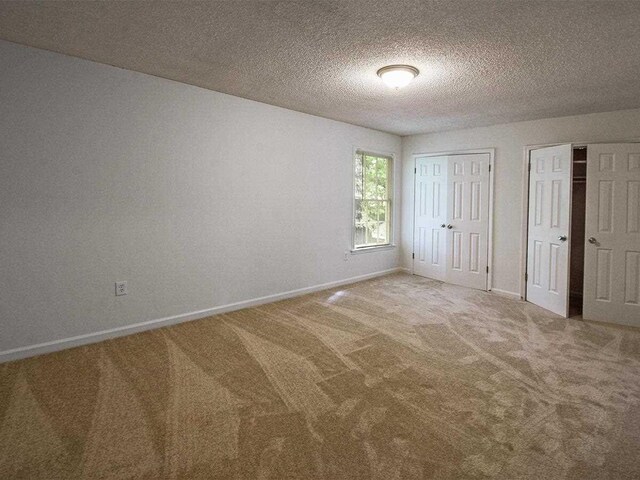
(398, 76)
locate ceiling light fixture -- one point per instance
(398, 76)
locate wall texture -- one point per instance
(509, 141)
(197, 199)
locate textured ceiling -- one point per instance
(482, 61)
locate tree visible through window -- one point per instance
(372, 213)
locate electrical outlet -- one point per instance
(121, 288)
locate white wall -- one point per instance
(196, 198)
(509, 141)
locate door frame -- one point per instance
(492, 154)
(524, 222)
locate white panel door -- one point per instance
(430, 210)
(468, 220)
(612, 249)
(550, 181)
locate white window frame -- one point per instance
(390, 198)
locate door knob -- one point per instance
(592, 240)
(449, 226)
(562, 238)
(442, 226)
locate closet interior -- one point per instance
(577, 237)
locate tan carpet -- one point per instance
(394, 378)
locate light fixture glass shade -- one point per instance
(398, 76)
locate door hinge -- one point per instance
(489, 167)
(413, 255)
(487, 268)
(529, 166)
(415, 170)
(526, 277)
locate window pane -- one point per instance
(375, 177)
(381, 179)
(381, 236)
(369, 220)
(369, 177)
(360, 235)
(370, 224)
(369, 238)
(358, 176)
(387, 222)
(358, 211)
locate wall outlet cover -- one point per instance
(121, 288)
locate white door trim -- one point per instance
(492, 154)
(524, 218)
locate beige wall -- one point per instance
(509, 141)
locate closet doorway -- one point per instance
(452, 217)
(583, 231)
(577, 232)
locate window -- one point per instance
(372, 205)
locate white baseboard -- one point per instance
(505, 292)
(62, 344)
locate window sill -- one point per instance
(377, 248)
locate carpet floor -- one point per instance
(398, 377)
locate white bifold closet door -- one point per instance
(451, 219)
(550, 182)
(612, 249)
